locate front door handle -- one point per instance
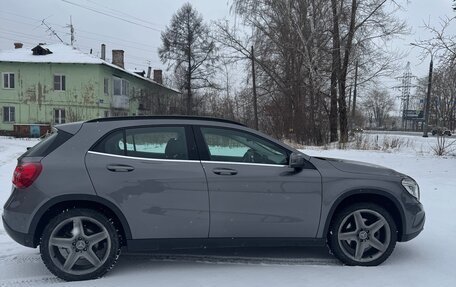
(224, 171)
(120, 168)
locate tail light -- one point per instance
(26, 173)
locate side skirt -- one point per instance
(145, 245)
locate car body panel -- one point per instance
(263, 200)
(159, 198)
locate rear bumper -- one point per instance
(21, 238)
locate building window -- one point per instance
(120, 87)
(8, 80)
(59, 116)
(9, 114)
(106, 114)
(59, 82)
(106, 86)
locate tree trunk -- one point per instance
(189, 71)
(334, 73)
(343, 75)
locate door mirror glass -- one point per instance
(297, 160)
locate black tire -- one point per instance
(346, 238)
(62, 229)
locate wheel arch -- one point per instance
(379, 197)
(60, 203)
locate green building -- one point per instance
(53, 84)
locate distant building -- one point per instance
(53, 84)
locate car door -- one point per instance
(253, 193)
(154, 176)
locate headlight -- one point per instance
(412, 187)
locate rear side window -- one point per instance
(148, 142)
(48, 144)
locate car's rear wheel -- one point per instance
(79, 244)
(362, 234)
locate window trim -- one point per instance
(9, 80)
(9, 114)
(142, 158)
(61, 76)
(204, 149)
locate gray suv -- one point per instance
(153, 183)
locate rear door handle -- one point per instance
(120, 168)
(224, 171)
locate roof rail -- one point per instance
(175, 117)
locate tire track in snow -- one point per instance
(33, 281)
(214, 259)
(20, 259)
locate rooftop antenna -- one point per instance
(52, 31)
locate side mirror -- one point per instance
(297, 160)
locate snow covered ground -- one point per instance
(426, 261)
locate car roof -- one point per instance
(173, 117)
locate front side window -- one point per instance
(8, 80)
(237, 146)
(59, 83)
(59, 116)
(9, 114)
(147, 142)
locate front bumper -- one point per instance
(21, 238)
(415, 219)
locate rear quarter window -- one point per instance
(48, 144)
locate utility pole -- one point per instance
(255, 99)
(354, 95)
(428, 96)
(428, 100)
(71, 31)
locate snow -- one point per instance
(63, 54)
(425, 261)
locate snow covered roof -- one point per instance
(64, 54)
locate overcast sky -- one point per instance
(20, 20)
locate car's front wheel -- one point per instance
(79, 244)
(362, 234)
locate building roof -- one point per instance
(64, 54)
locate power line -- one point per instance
(125, 14)
(111, 15)
(76, 29)
(31, 18)
(115, 42)
(118, 39)
(23, 35)
(6, 38)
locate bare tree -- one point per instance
(443, 101)
(379, 103)
(189, 49)
(363, 21)
(291, 48)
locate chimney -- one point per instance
(149, 71)
(103, 52)
(18, 45)
(158, 76)
(118, 58)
